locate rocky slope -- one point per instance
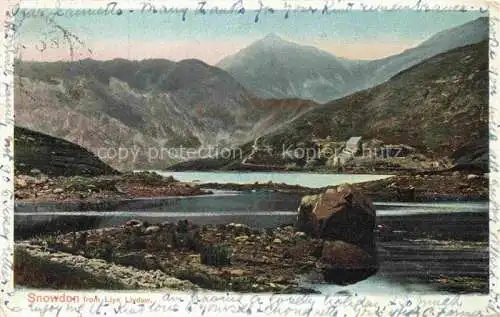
(51, 156)
(139, 106)
(378, 71)
(437, 107)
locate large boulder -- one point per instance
(343, 263)
(304, 215)
(345, 214)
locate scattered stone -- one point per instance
(41, 180)
(472, 176)
(21, 183)
(152, 229)
(134, 223)
(58, 191)
(234, 272)
(241, 238)
(300, 234)
(277, 241)
(35, 171)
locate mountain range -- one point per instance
(151, 104)
(273, 89)
(275, 68)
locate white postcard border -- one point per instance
(16, 302)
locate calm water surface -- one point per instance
(311, 180)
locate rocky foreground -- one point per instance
(179, 256)
(37, 187)
(335, 240)
(338, 244)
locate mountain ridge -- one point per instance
(141, 105)
(296, 74)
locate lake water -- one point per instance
(405, 264)
(311, 180)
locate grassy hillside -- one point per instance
(53, 156)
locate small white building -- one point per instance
(353, 145)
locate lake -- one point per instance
(311, 180)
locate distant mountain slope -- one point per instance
(148, 107)
(378, 71)
(275, 68)
(53, 156)
(437, 106)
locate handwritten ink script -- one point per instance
(298, 305)
(494, 302)
(6, 169)
(56, 36)
(238, 7)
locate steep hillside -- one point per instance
(378, 71)
(145, 108)
(53, 156)
(437, 106)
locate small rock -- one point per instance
(58, 191)
(152, 229)
(241, 239)
(21, 195)
(300, 234)
(21, 183)
(41, 180)
(456, 173)
(237, 225)
(235, 272)
(134, 223)
(472, 176)
(277, 241)
(35, 171)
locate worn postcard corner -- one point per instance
(211, 158)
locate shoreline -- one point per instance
(444, 186)
(105, 189)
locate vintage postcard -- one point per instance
(306, 159)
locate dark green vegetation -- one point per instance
(53, 156)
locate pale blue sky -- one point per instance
(355, 34)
